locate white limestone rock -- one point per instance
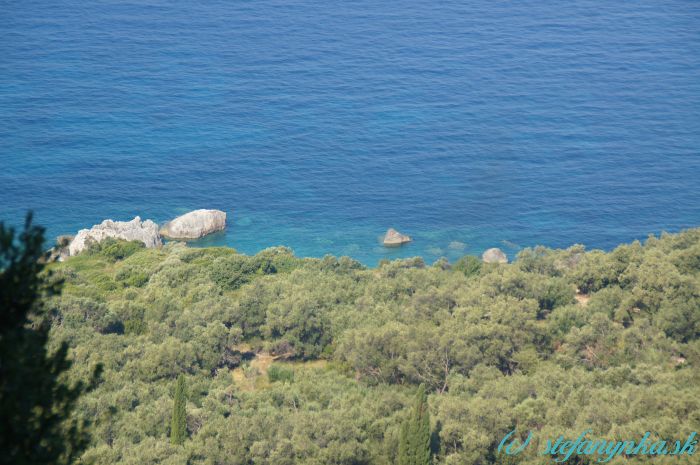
(195, 224)
(494, 255)
(393, 238)
(134, 230)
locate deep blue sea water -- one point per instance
(318, 125)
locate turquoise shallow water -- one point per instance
(318, 125)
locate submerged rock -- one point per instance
(494, 255)
(195, 224)
(456, 245)
(134, 230)
(393, 238)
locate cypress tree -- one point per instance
(178, 428)
(414, 440)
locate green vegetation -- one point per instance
(35, 398)
(280, 373)
(317, 361)
(414, 442)
(178, 427)
(469, 265)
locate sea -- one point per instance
(318, 125)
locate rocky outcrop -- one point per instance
(393, 238)
(60, 251)
(134, 230)
(494, 255)
(194, 224)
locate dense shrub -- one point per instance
(114, 249)
(468, 265)
(279, 373)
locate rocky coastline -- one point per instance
(191, 226)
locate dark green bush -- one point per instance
(116, 249)
(279, 373)
(469, 265)
(131, 277)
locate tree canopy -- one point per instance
(316, 361)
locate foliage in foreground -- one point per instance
(558, 342)
(35, 400)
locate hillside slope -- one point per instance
(558, 342)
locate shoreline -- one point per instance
(361, 240)
(391, 252)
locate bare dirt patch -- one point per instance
(252, 376)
